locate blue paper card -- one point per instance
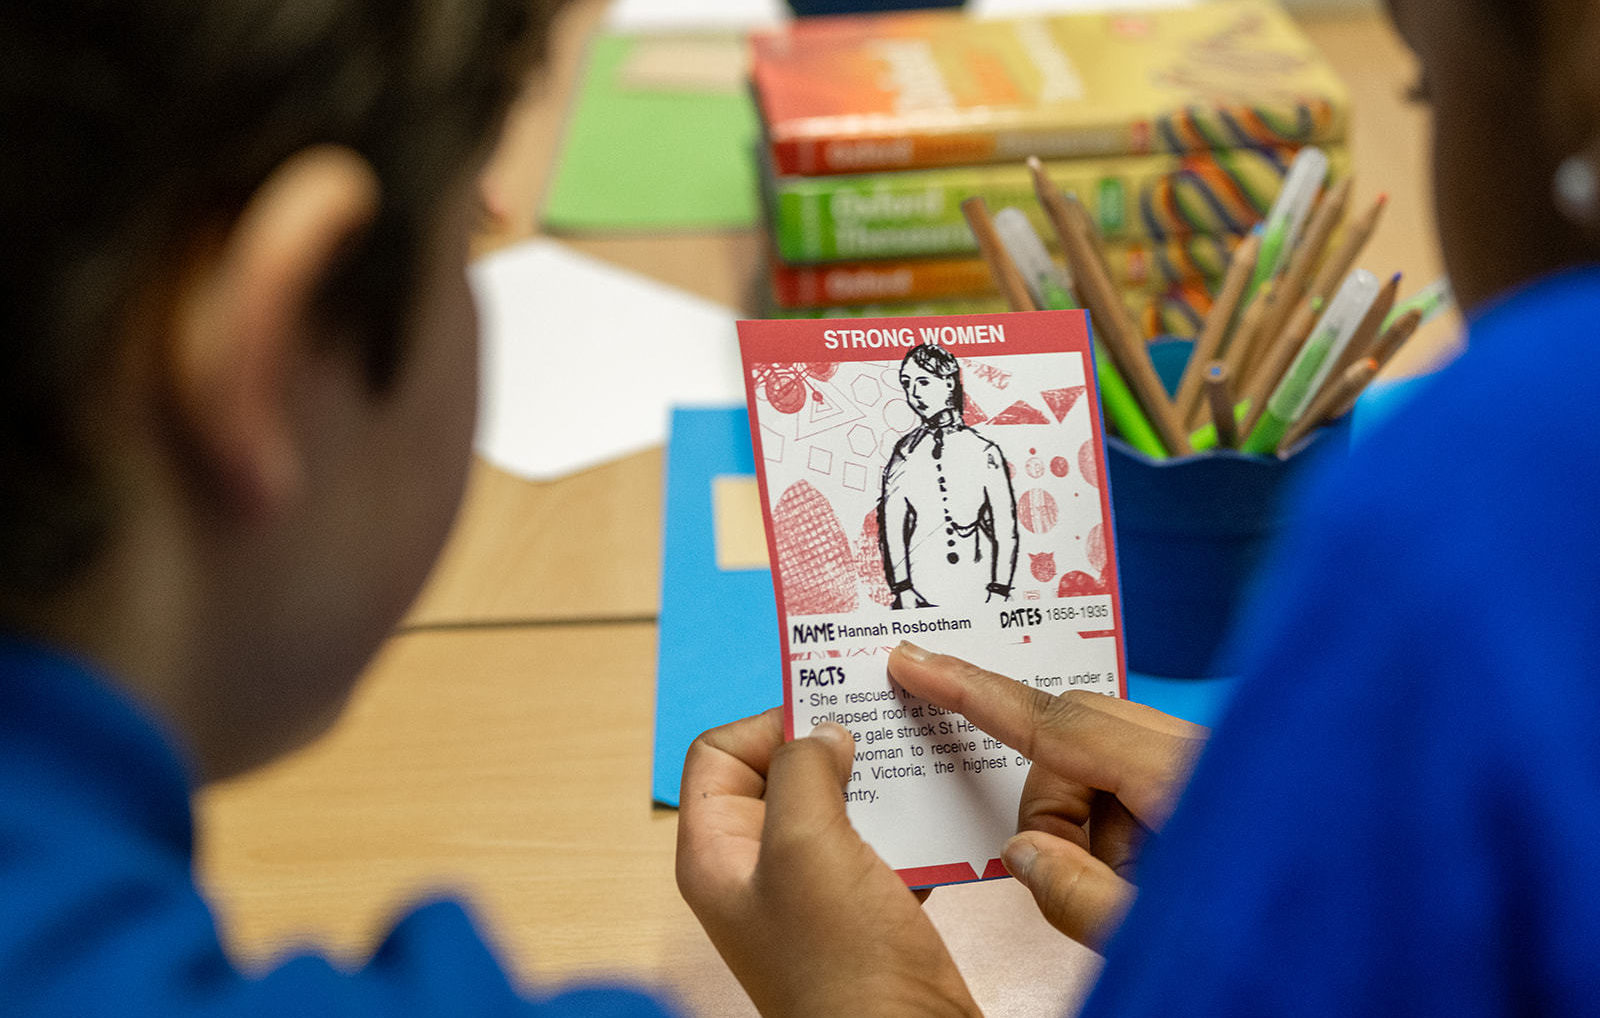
(717, 641)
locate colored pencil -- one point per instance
(1272, 416)
(1243, 350)
(1395, 336)
(1220, 399)
(1276, 356)
(1343, 258)
(1006, 276)
(1209, 344)
(1095, 289)
(1048, 285)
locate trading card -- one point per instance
(938, 480)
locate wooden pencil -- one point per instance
(1303, 261)
(1093, 282)
(1242, 353)
(1392, 339)
(1395, 336)
(1004, 270)
(1219, 397)
(1343, 258)
(1332, 403)
(1081, 216)
(1209, 344)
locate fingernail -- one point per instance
(837, 734)
(913, 651)
(1018, 855)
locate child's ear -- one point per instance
(249, 311)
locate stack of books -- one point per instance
(1174, 127)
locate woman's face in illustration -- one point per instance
(927, 393)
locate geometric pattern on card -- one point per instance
(826, 408)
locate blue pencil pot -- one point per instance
(1191, 533)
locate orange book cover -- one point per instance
(869, 93)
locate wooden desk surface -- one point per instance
(501, 743)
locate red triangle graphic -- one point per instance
(970, 414)
(1019, 413)
(1061, 401)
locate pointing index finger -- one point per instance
(1132, 751)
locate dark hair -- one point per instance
(135, 129)
(938, 361)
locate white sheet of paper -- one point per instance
(582, 361)
(694, 15)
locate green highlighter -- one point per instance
(1051, 289)
(1312, 364)
(1431, 301)
(1287, 217)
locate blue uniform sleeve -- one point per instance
(100, 914)
(432, 963)
(125, 933)
(1397, 814)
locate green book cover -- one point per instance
(659, 138)
(1132, 198)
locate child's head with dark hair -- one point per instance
(1514, 89)
(239, 356)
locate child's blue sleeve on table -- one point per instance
(432, 963)
(100, 914)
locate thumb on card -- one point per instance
(1077, 893)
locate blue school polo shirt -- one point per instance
(1400, 812)
(99, 913)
